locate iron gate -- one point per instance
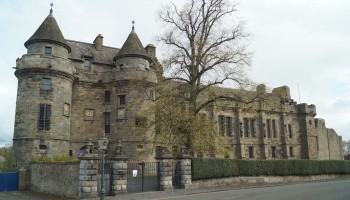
(107, 177)
(142, 176)
(176, 174)
(9, 181)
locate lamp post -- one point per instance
(102, 143)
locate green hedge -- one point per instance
(207, 168)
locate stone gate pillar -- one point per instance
(165, 170)
(23, 179)
(185, 168)
(120, 167)
(88, 173)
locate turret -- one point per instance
(48, 35)
(44, 95)
(133, 61)
(134, 78)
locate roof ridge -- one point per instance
(69, 40)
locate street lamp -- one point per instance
(103, 143)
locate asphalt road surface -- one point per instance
(328, 190)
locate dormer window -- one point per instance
(48, 51)
(87, 65)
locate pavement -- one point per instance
(161, 195)
(28, 195)
(155, 195)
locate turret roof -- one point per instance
(48, 31)
(133, 48)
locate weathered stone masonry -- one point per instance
(71, 91)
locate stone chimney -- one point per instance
(261, 89)
(98, 42)
(151, 50)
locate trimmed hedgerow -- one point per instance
(207, 168)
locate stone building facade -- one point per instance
(71, 91)
(276, 128)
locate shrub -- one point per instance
(207, 168)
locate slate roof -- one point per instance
(133, 48)
(48, 31)
(82, 50)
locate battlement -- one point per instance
(320, 122)
(307, 109)
(282, 92)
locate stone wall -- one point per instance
(55, 178)
(329, 143)
(242, 180)
(323, 153)
(335, 145)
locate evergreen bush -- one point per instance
(208, 168)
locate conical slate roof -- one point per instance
(132, 48)
(48, 31)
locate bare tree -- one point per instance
(346, 148)
(206, 47)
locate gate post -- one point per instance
(88, 173)
(22, 179)
(185, 168)
(165, 170)
(119, 166)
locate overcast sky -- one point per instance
(294, 42)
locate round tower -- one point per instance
(133, 62)
(44, 95)
(134, 76)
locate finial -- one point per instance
(51, 4)
(133, 23)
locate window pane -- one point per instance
(229, 126)
(46, 84)
(107, 96)
(41, 116)
(48, 51)
(251, 152)
(274, 128)
(268, 123)
(246, 127)
(87, 65)
(121, 99)
(221, 124)
(47, 117)
(44, 117)
(252, 127)
(273, 151)
(290, 131)
(107, 122)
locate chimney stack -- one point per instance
(151, 50)
(98, 42)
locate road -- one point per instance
(329, 190)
